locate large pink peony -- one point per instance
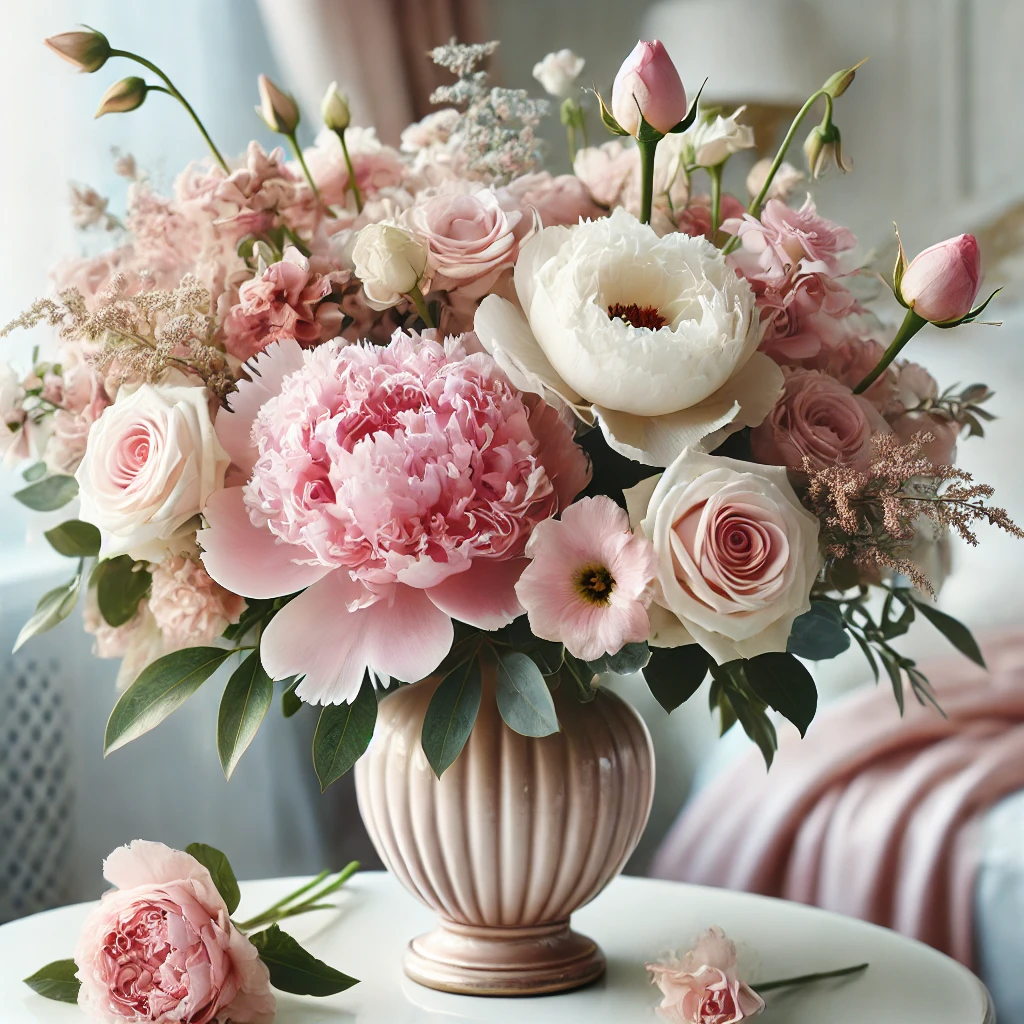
(161, 947)
(400, 486)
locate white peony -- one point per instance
(654, 337)
(558, 71)
(712, 142)
(151, 463)
(389, 261)
(737, 554)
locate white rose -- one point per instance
(151, 463)
(654, 337)
(389, 261)
(715, 141)
(737, 554)
(558, 71)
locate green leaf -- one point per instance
(749, 710)
(56, 981)
(343, 732)
(290, 704)
(691, 114)
(608, 119)
(785, 685)
(631, 658)
(48, 494)
(74, 539)
(247, 698)
(819, 634)
(451, 714)
(34, 472)
(294, 969)
(53, 608)
(220, 870)
(120, 587)
(674, 674)
(161, 688)
(953, 630)
(524, 699)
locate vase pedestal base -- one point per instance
(483, 961)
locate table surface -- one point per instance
(635, 920)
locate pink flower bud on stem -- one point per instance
(941, 283)
(88, 50)
(648, 84)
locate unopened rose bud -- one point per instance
(334, 109)
(389, 261)
(823, 149)
(279, 111)
(558, 72)
(648, 83)
(941, 283)
(128, 94)
(88, 50)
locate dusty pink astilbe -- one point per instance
(869, 516)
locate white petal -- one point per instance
(756, 387)
(533, 255)
(638, 498)
(666, 629)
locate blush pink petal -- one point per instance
(147, 863)
(332, 636)
(484, 595)
(246, 559)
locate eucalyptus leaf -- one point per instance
(953, 630)
(34, 472)
(451, 715)
(160, 689)
(53, 608)
(121, 583)
(819, 634)
(674, 674)
(247, 698)
(625, 662)
(290, 704)
(74, 539)
(294, 969)
(785, 685)
(56, 981)
(48, 494)
(524, 699)
(343, 732)
(220, 871)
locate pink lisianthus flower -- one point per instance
(161, 947)
(703, 987)
(400, 485)
(589, 582)
(288, 300)
(784, 239)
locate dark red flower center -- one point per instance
(638, 316)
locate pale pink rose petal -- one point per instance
(484, 595)
(247, 559)
(145, 863)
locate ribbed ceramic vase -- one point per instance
(516, 835)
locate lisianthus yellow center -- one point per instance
(595, 584)
(638, 316)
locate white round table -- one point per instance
(634, 920)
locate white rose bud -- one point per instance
(715, 141)
(557, 72)
(334, 109)
(389, 261)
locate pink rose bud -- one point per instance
(277, 108)
(128, 94)
(88, 51)
(648, 82)
(942, 282)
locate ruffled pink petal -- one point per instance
(267, 370)
(331, 636)
(246, 559)
(142, 862)
(484, 595)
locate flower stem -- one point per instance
(912, 323)
(286, 906)
(647, 150)
(352, 183)
(807, 979)
(421, 306)
(715, 173)
(297, 150)
(181, 99)
(754, 209)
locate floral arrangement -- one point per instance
(370, 415)
(161, 945)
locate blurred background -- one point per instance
(934, 129)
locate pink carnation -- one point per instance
(400, 485)
(695, 218)
(83, 399)
(286, 301)
(558, 200)
(161, 947)
(784, 239)
(589, 582)
(190, 609)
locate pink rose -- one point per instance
(288, 300)
(942, 282)
(470, 237)
(558, 200)
(914, 384)
(161, 947)
(695, 217)
(703, 987)
(648, 82)
(850, 361)
(819, 419)
(942, 448)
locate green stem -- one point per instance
(181, 99)
(352, 183)
(806, 979)
(715, 173)
(912, 323)
(570, 133)
(754, 209)
(647, 150)
(281, 909)
(421, 306)
(297, 150)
